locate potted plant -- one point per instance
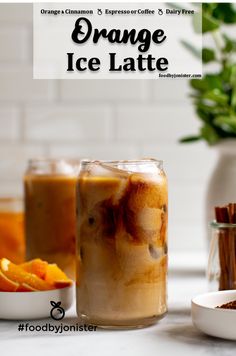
(214, 98)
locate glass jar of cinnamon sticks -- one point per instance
(222, 258)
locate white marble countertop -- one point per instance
(174, 335)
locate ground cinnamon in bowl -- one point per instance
(229, 305)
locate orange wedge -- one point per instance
(24, 287)
(55, 276)
(6, 285)
(17, 274)
(62, 284)
(36, 266)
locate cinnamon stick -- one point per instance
(227, 246)
(232, 261)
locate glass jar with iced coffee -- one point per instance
(122, 243)
(50, 218)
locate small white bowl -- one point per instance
(35, 305)
(215, 321)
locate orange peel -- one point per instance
(62, 284)
(7, 285)
(24, 287)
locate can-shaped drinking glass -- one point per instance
(50, 211)
(122, 243)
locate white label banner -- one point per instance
(117, 41)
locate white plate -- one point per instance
(35, 305)
(214, 321)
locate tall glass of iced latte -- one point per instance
(121, 243)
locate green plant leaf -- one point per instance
(214, 81)
(208, 7)
(233, 98)
(211, 110)
(208, 55)
(226, 123)
(195, 51)
(230, 44)
(226, 74)
(214, 96)
(232, 78)
(199, 84)
(209, 23)
(202, 106)
(217, 96)
(208, 82)
(189, 139)
(225, 12)
(204, 115)
(209, 134)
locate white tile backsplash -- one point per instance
(158, 123)
(104, 90)
(17, 85)
(68, 123)
(185, 163)
(12, 188)
(14, 157)
(171, 91)
(11, 13)
(93, 150)
(16, 43)
(9, 123)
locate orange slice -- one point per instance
(62, 284)
(6, 285)
(24, 287)
(17, 274)
(55, 275)
(36, 266)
